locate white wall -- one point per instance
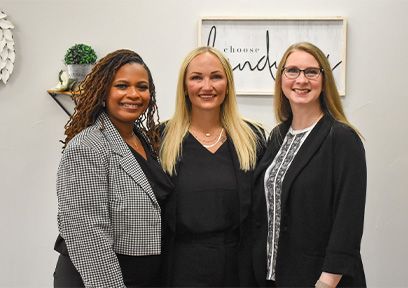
(31, 123)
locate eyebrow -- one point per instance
(126, 81)
(294, 66)
(214, 72)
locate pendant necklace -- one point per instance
(208, 134)
(204, 140)
(132, 140)
(216, 142)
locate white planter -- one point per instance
(78, 71)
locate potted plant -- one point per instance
(79, 60)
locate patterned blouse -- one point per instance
(273, 189)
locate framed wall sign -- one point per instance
(254, 46)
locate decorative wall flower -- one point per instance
(7, 52)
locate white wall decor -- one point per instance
(7, 53)
(254, 46)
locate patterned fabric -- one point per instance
(105, 205)
(273, 185)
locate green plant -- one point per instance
(80, 54)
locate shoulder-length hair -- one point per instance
(329, 97)
(95, 88)
(243, 137)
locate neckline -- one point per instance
(144, 145)
(296, 132)
(201, 145)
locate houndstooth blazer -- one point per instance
(105, 205)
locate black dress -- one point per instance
(137, 271)
(206, 239)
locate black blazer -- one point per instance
(323, 201)
(244, 190)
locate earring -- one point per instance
(103, 103)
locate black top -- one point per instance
(207, 218)
(214, 259)
(157, 178)
(206, 189)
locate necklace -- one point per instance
(207, 134)
(133, 139)
(204, 140)
(211, 145)
(218, 140)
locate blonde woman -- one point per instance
(310, 186)
(210, 153)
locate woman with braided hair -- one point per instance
(110, 182)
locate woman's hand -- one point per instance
(329, 280)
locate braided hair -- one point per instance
(94, 89)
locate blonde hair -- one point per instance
(243, 137)
(329, 97)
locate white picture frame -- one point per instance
(254, 46)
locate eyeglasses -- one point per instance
(294, 72)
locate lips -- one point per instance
(131, 105)
(206, 96)
(300, 91)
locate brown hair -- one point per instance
(329, 97)
(94, 90)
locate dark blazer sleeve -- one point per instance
(260, 133)
(349, 187)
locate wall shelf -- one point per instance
(54, 95)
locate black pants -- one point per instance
(137, 271)
(270, 283)
(206, 260)
(65, 274)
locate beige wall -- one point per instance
(31, 123)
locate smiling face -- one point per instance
(302, 91)
(206, 82)
(129, 94)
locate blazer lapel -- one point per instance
(274, 144)
(128, 161)
(132, 167)
(306, 152)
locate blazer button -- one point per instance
(284, 228)
(257, 225)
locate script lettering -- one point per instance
(263, 63)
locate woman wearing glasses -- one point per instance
(310, 186)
